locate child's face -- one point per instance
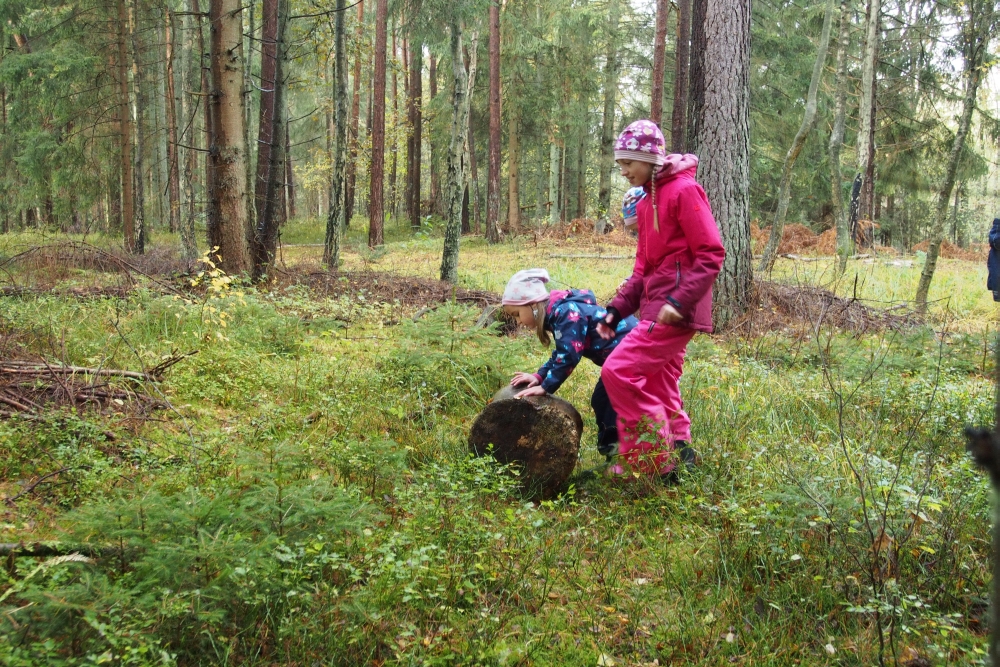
(636, 172)
(523, 315)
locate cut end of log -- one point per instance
(539, 435)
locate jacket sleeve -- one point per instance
(626, 301)
(995, 235)
(569, 329)
(696, 221)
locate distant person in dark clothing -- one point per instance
(993, 263)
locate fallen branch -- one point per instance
(30, 368)
(800, 258)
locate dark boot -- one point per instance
(686, 461)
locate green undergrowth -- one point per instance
(307, 499)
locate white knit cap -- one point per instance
(526, 287)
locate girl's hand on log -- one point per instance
(528, 379)
(532, 391)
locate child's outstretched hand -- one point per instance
(532, 391)
(527, 379)
(606, 329)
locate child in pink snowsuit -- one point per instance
(678, 256)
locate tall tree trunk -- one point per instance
(170, 102)
(975, 42)
(513, 172)
(355, 115)
(845, 244)
(723, 142)
(140, 139)
(376, 205)
(212, 228)
(473, 166)
(190, 78)
(808, 123)
(393, 199)
(659, 60)
(493, 234)
(289, 170)
(554, 170)
(608, 129)
(435, 156)
(678, 121)
(335, 216)
(270, 173)
(581, 173)
(456, 168)
(696, 73)
(227, 154)
(416, 137)
(863, 181)
(125, 127)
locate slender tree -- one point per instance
(375, 203)
(138, 76)
(170, 103)
(416, 132)
(808, 123)
(335, 220)
(125, 130)
(493, 232)
(608, 129)
(682, 58)
(845, 244)
(659, 60)
(355, 114)
(861, 196)
(513, 171)
(190, 79)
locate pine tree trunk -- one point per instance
(375, 202)
(581, 173)
(723, 143)
(678, 121)
(554, 182)
(435, 157)
(289, 170)
(659, 59)
(473, 188)
(493, 174)
(608, 129)
(416, 137)
(513, 173)
(976, 37)
(170, 102)
(845, 244)
(393, 199)
(808, 123)
(125, 128)
(456, 168)
(696, 73)
(140, 139)
(355, 116)
(335, 215)
(205, 69)
(190, 79)
(863, 185)
(270, 172)
(227, 154)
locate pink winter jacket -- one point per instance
(679, 264)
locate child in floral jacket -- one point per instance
(571, 317)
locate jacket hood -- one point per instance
(677, 163)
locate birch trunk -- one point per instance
(808, 123)
(335, 220)
(845, 244)
(860, 202)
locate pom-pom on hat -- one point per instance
(642, 141)
(526, 287)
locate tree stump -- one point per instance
(539, 434)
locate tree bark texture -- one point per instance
(493, 157)
(723, 142)
(125, 127)
(190, 79)
(975, 42)
(808, 123)
(270, 172)
(352, 173)
(227, 154)
(608, 129)
(416, 135)
(659, 60)
(554, 181)
(205, 86)
(864, 185)
(173, 163)
(678, 121)
(456, 148)
(845, 243)
(376, 216)
(140, 143)
(435, 156)
(335, 220)
(696, 73)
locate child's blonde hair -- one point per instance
(538, 309)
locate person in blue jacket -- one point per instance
(993, 262)
(571, 317)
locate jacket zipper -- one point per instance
(678, 283)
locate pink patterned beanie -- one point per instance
(641, 141)
(526, 287)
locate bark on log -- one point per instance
(540, 434)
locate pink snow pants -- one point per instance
(642, 376)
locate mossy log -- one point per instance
(539, 434)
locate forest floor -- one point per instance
(298, 492)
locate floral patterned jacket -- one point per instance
(572, 317)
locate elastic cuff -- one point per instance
(538, 377)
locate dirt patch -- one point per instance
(789, 307)
(376, 287)
(977, 252)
